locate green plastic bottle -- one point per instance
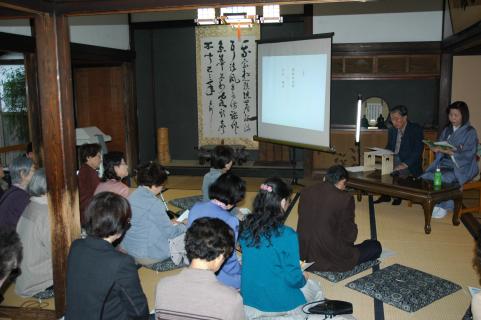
(437, 178)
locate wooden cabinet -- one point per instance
(386, 66)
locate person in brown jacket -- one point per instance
(326, 226)
(88, 178)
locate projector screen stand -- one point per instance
(294, 181)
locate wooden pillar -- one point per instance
(308, 30)
(55, 84)
(33, 103)
(130, 112)
(445, 83)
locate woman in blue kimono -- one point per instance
(457, 165)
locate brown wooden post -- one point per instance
(130, 112)
(445, 83)
(308, 30)
(54, 70)
(33, 103)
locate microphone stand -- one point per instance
(294, 181)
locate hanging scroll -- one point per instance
(226, 84)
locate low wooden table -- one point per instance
(417, 190)
(240, 153)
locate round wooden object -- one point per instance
(163, 153)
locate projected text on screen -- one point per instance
(294, 89)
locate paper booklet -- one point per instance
(305, 265)
(440, 144)
(473, 290)
(183, 216)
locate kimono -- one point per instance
(464, 167)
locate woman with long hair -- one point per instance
(272, 282)
(457, 165)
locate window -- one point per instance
(13, 111)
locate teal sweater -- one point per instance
(271, 274)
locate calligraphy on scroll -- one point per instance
(227, 86)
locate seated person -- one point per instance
(16, 198)
(3, 183)
(29, 153)
(34, 231)
(476, 299)
(326, 226)
(10, 254)
(147, 240)
(115, 169)
(102, 282)
(224, 193)
(221, 161)
(405, 139)
(273, 283)
(459, 165)
(195, 291)
(88, 177)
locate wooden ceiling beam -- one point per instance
(85, 7)
(30, 7)
(16, 43)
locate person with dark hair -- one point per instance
(148, 237)
(16, 198)
(221, 161)
(3, 184)
(405, 139)
(29, 152)
(115, 169)
(272, 282)
(88, 177)
(34, 231)
(224, 194)
(195, 291)
(326, 226)
(457, 165)
(10, 253)
(102, 282)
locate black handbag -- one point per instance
(331, 308)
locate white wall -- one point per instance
(19, 26)
(110, 31)
(465, 86)
(382, 27)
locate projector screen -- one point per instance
(294, 88)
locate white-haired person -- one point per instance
(16, 198)
(34, 230)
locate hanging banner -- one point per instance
(226, 84)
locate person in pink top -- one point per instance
(115, 169)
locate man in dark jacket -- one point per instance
(326, 226)
(405, 139)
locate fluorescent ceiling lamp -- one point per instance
(271, 14)
(206, 16)
(240, 16)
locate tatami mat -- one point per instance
(447, 252)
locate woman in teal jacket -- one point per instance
(272, 282)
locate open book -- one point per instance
(440, 144)
(183, 216)
(305, 265)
